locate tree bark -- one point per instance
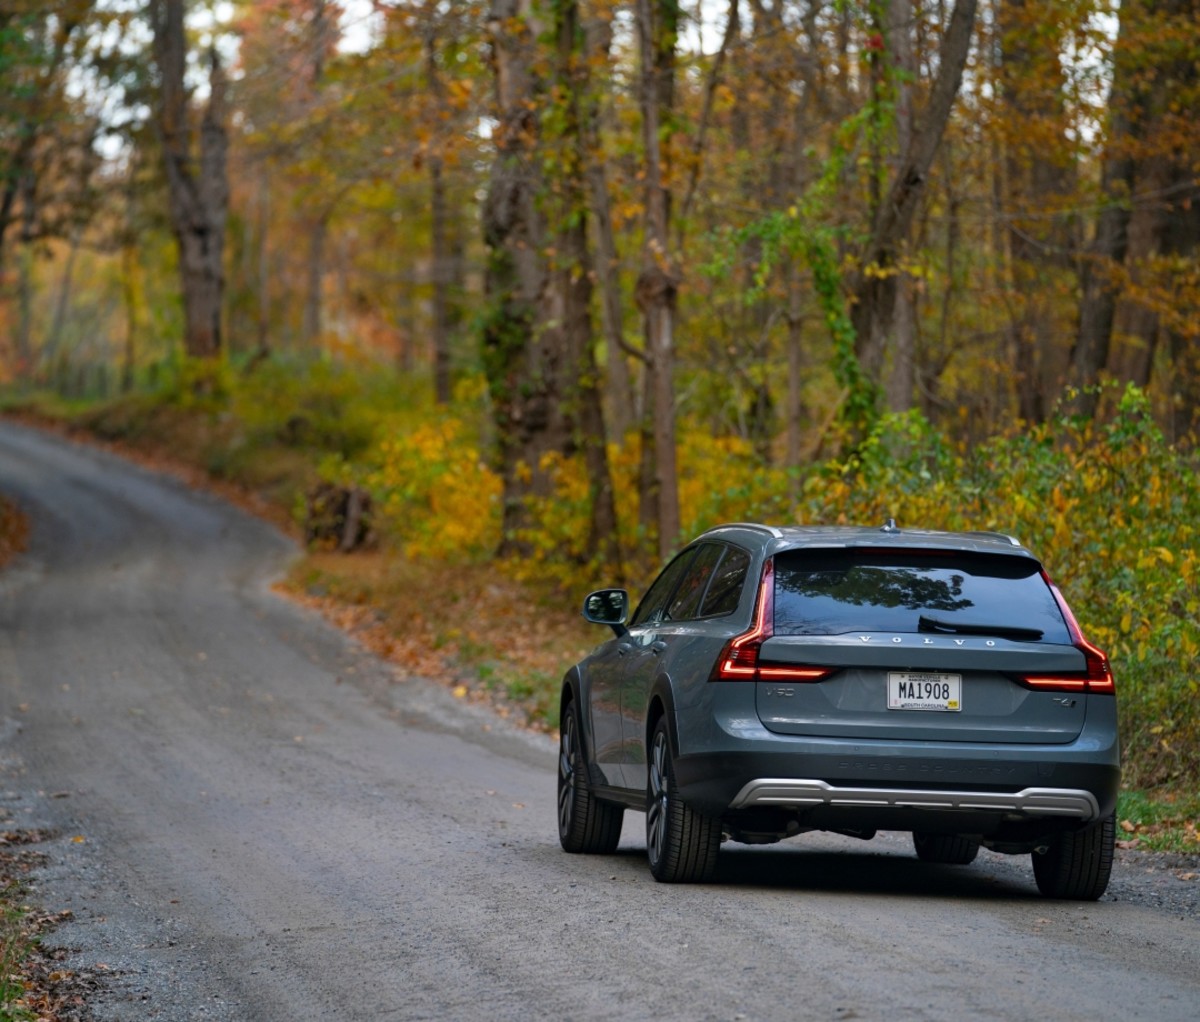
(197, 184)
(314, 292)
(522, 380)
(35, 123)
(901, 383)
(873, 286)
(129, 297)
(263, 349)
(621, 402)
(537, 338)
(1035, 178)
(439, 269)
(658, 282)
(1105, 256)
(439, 245)
(63, 302)
(582, 391)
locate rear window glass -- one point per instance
(829, 592)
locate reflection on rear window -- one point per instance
(830, 592)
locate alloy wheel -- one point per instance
(567, 742)
(658, 804)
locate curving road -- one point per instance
(257, 822)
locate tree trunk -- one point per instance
(874, 292)
(63, 302)
(197, 186)
(1037, 176)
(621, 402)
(522, 382)
(129, 296)
(1182, 238)
(537, 342)
(263, 349)
(581, 390)
(440, 267)
(314, 291)
(901, 383)
(1105, 257)
(37, 122)
(658, 282)
(23, 341)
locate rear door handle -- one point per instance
(657, 647)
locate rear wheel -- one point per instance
(585, 824)
(946, 848)
(1077, 864)
(682, 844)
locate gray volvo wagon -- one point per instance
(774, 681)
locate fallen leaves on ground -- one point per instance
(50, 992)
(14, 530)
(487, 637)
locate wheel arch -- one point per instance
(573, 691)
(660, 705)
(570, 690)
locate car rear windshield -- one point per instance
(828, 592)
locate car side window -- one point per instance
(725, 589)
(685, 604)
(651, 607)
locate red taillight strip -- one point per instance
(787, 672)
(1098, 677)
(1055, 681)
(739, 658)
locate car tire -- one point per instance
(950, 849)
(681, 844)
(585, 824)
(1077, 864)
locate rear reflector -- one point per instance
(739, 660)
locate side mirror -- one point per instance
(608, 607)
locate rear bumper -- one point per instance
(733, 764)
(784, 793)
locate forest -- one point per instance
(551, 285)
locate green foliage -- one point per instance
(315, 405)
(15, 947)
(1113, 509)
(435, 496)
(195, 384)
(1160, 824)
(1113, 512)
(811, 232)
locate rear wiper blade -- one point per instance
(933, 624)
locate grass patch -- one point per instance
(1159, 822)
(16, 946)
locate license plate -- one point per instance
(911, 690)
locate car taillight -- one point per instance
(1097, 677)
(739, 660)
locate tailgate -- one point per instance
(959, 689)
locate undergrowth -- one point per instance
(1164, 823)
(1111, 508)
(15, 948)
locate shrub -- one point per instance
(1111, 509)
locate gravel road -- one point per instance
(256, 821)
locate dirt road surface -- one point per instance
(256, 821)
